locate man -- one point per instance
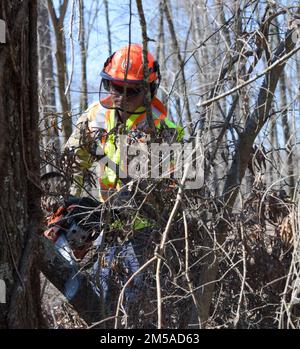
(121, 111)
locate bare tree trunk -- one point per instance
(83, 95)
(145, 65)
(274, 144)
(297, 76)
(160, 55)
(287, 134)
(61, 63)
(19, 167)
(47, 100)
(180, 61)
(108, 26)
(286, 125)
(222, 18)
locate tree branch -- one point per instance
(257, 76)
(145, 66)
(63, 10)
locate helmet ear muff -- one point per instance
(153, 89)
(156, 67)
(155, 84)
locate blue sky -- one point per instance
(98, 43)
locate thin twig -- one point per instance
(257, 76)
(187, 273)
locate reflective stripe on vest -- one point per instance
(109, 178)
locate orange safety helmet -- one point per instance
(116, 65)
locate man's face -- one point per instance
(127, 97)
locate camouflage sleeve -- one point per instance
(80, 143)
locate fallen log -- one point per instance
(82, 295)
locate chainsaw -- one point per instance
(78, 221)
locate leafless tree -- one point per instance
(82, 42)
(47, 100)
(61, 63)
(20, 220)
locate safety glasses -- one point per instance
(115, 89)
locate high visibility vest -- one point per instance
(106, 119)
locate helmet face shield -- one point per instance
(120, 96)
(114, 88)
